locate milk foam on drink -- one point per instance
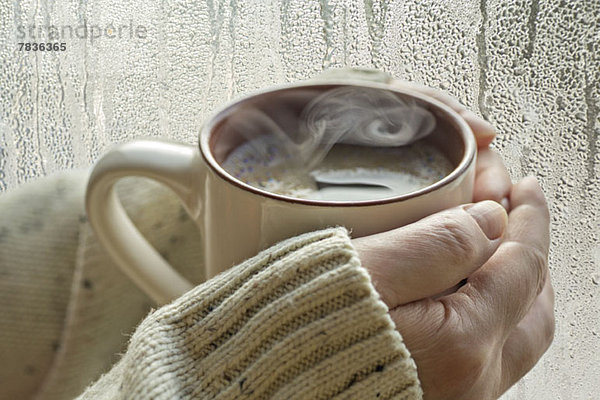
(346, 173)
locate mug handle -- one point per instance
(179, 167)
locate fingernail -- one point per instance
(478, 124)
(490, 216)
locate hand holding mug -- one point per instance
(479, 340)
(237, 219)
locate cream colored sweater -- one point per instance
(300, 320)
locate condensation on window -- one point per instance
(134, 69)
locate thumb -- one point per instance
(434, 254)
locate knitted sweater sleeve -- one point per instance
(300, 320)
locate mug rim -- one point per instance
(470, 147)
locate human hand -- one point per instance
(477, 342)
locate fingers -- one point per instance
(530, 217)
(530, 339)
(484, 131)
(492, 181)
(506, 287)
(425, 258)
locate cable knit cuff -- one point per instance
(298, 321)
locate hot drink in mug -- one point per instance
(289, 160)
(347, 173)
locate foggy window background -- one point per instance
(159, 68)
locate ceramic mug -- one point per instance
(236, 220)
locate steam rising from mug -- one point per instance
(366, 117)
(349, 115)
